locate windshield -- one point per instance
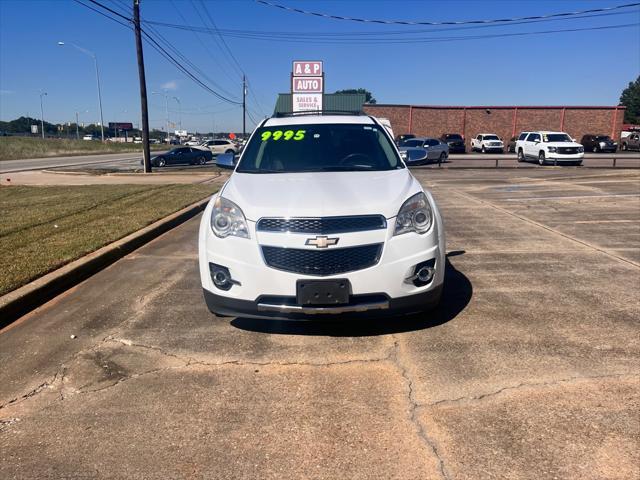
(453, 136)
(603, 138)
(319, 148)
(491, 137)
(556, 137)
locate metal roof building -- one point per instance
(341, 102)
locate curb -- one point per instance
(17, 303)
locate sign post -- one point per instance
(307, 86)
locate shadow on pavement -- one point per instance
(456, 296)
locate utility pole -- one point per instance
(244, 107)
(77, 129)
(143, 89)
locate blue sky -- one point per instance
(577, 68)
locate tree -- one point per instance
(368, 95)
(630, 98)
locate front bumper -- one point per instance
(559, 158)
(457, 148)
(360, 306)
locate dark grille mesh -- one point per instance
(323, 225)
(328, 262)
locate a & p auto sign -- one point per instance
(307, 86)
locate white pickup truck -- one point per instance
(487, 142)
(549, 147)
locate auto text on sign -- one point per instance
(307, 85)
(307, 69)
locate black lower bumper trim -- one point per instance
(231, 307)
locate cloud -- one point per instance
(171, 85)
(7, 92)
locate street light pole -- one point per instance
(42, 94)
(77, 128)
(95, 61)
(179, 112)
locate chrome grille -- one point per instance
(323, 225)
(322, 263)
(567, 150)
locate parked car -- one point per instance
(89, 137)
(182, 155)
(219, 146)
(598, 143)
(631, 142)
(549, 147)
(154, 141)
(487, 142)
(511, 145)
(455, 142)
(437, 151)
(137, 139)
(400, 139)
(324, 221)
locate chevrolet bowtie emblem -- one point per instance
(321, 242)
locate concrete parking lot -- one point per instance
(529, 369)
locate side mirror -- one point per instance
(416, 155)
(226, 160)
(537, 141)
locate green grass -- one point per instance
(15, 148)
(44, 228)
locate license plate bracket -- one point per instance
(323, 292)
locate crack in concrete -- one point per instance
(413, 411)
(31, 393)
(527, 385)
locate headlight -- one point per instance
(552, 149)
(580, 149)
(414, 216)
(227, 219)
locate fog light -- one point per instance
(221, 277)
(422, 273)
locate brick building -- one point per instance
(433, 121)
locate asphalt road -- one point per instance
(118, 160)
(131, 161)
(529, 370)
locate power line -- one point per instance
(156, 46)
(238, 67)
(438, 39)
(204, 46)
(310, 35)
(460, 22)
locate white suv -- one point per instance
(320, 217)
(549, 147)
(487, 142)
(219, 146)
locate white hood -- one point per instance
(319, 194)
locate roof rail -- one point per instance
(317, 112)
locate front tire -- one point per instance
(201, 160)
(161, 162)
(520, 156)
(230, 151)
(483, 150)
(624, 147)
(541, 158)
(595, 149)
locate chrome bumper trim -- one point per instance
(268, 307)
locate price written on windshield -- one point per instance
(283, 135)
